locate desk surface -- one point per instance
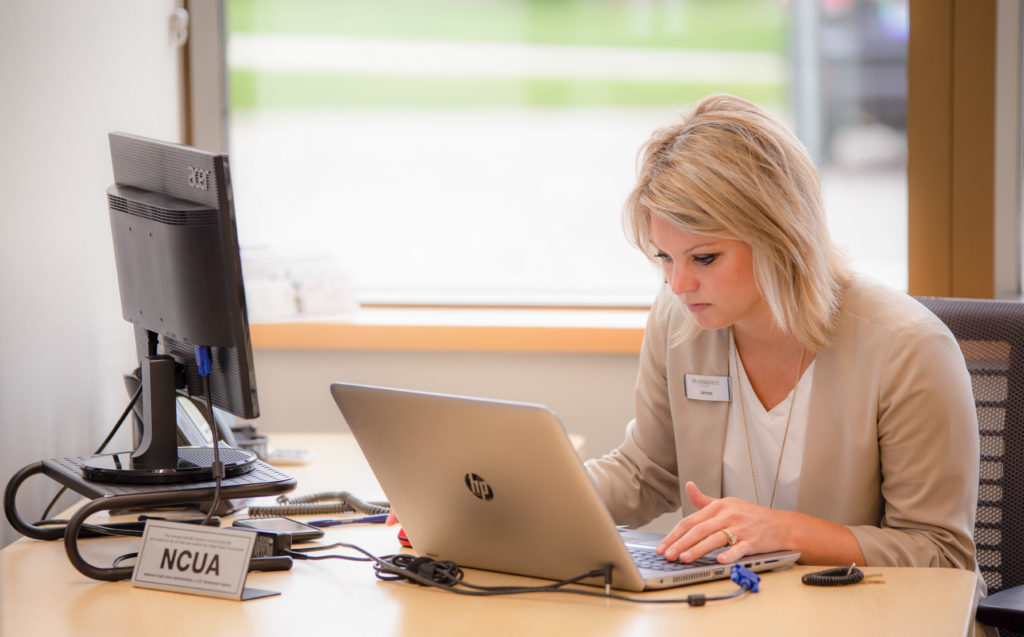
(42, 594)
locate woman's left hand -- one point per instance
(749, 529)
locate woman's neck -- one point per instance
(773, 361)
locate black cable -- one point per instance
(103, 445)
(448, 576)
(121, 558)
(218, 468)
(120, 421)
(96, 528)
(303, 554)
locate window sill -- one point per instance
(608, 331)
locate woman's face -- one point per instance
(712, 275)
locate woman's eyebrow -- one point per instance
(689, 250)
(693, 249)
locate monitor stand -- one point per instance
(263, 480)
(159, 460)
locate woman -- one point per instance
(783, 402)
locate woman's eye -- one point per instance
(704, 259)
(664, 258)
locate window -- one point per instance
(477, 152)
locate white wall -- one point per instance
(591, 393)
(70, 72)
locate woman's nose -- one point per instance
(681, 281)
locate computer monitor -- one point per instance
(180, 278)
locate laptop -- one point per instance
(498, 486)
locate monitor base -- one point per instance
(195, 464)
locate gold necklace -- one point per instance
(746, 430)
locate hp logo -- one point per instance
(479, 487)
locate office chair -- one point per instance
(991, 336)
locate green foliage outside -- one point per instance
(726, 25)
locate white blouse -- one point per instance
(767, 429)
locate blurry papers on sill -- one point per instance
(281, 287)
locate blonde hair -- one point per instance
(729, 166)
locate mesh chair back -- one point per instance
(991, 336)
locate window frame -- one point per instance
(957, 208)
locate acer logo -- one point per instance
(198, 178)
(479, 487)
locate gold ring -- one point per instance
(729, 537)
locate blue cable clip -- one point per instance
(745, 578)
(203, 359)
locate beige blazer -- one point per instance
(892, 437)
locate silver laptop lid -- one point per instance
(487, 484)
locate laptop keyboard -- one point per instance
(648, 558)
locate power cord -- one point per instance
(303, 553)
(448, 576)
(103, 445)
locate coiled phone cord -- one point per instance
(839, 576)
(326, 503)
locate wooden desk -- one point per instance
(42, 594)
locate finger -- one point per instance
(697, 498)
(734, 552)
(700, 501)
(681, 529)
(392, 518)
(701, 539)
(713, 541)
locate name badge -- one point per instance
(714, 388)
(199, 560)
